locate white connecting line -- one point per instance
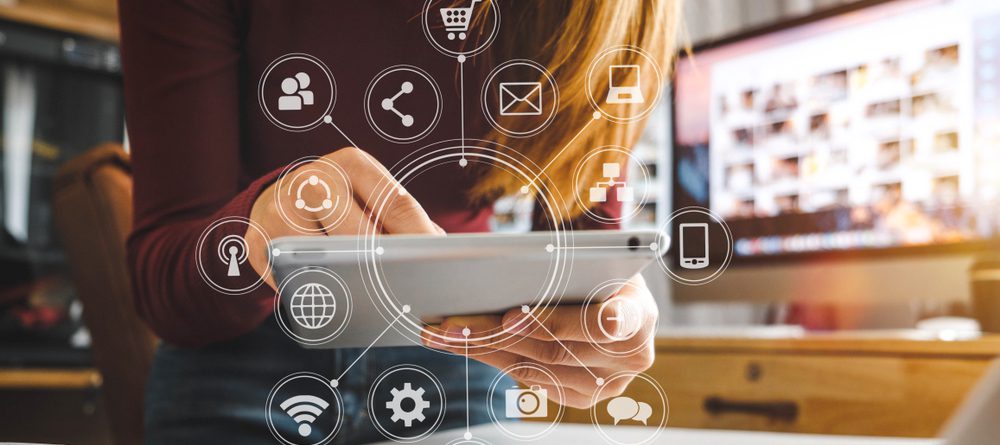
(279, 252)
(461, 103)
(394, 320)
(550, 247)
(468, 403)
(570, 352)
(571, 141)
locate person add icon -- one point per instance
(296, 95)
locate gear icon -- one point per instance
(419, 404)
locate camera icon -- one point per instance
(526, 403)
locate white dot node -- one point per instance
(406, 309)
(550, 248)
(597, 115)
(463, 162)
(653, 246)
(525, 309)
(276, 251)
(467, 435)
(600, 381)
(524, 189)
(328, 119)
(379, 250)
(334, 383)
(461, 58)
(466, 332)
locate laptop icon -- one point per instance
(624, 84)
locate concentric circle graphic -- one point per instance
(447, 156)
(311, 194)
(537, 409)
(630, 192)
(591, 309)
(447, 28)
(706, 219)
(387, 104)
(291, 119)
(412, 392)
(313, 305)
(538, 100)
(308, 409)
(224, 264)
(626, 410)
(623, 81)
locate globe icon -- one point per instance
(313, 305)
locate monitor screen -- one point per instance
(624, 76)
(872, 129)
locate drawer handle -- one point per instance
(774, 410)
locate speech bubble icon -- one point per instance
(644, 413)
(623, 408)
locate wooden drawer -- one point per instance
(857, 391)
(909, 397)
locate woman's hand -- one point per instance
(555, 339)
(367, 178)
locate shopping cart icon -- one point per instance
(457, 20)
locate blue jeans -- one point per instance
(218, 394)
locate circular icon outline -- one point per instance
(437, 386)
(437, 112)
(454, 152)
(586, 328)
(651, 103)
(663, 259)
(425, 17)
(331, 82)
(664, 404)
(560, 410)
(588, 210)
(279, 314)
(326, 384)
(291, 174)
(548, 77)
(205, 276)
(468, 441)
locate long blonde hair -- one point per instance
(577, 32)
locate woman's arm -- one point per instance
(180, 61)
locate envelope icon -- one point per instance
(513, 94)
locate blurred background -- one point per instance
(852, 153)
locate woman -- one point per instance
(203, 150)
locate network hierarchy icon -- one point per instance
(403, 104)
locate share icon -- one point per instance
(389, 104)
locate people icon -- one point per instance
(233, 252)
(295, 93)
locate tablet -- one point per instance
(343, 292)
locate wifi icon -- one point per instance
(304, 409)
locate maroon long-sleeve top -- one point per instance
(202, 149)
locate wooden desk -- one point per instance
(32, 401)
(568, 434)
(28, 378)
(823, 384)
(92, 18)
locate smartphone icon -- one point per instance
(694, 245)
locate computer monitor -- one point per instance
(863, 134)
